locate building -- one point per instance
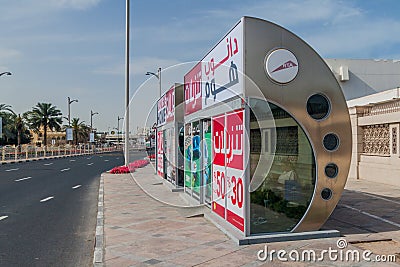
(53, 138)
(372, 91)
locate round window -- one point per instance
(331, 170)
(331, 142)
(326, 193)
(318, 106)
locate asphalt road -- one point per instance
(48, 209)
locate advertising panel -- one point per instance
(207, 159)
(69, 134)
(235, 168)
(188, 155)
(170, 155)
(160, 151)
(166, 107)
(222, 69)
(218, 166)
(91, 137)
(192, 90)
(228, 167)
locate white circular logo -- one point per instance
(282, 65)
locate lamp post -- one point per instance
(91, 119)
(69, 109)
(127, 72)
(5, 73)
(118, 128)
(158, 76)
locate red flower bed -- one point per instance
(130, 168)
(119, 170)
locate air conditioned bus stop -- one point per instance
(170, 135)
(267, 135)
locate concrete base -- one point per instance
(239, 239)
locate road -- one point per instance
(48, 209)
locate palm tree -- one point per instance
(6, 108)
(20, 127)
(44, 115)
(80, 130)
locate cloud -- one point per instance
(76, 4)
(25, 9)
(6, 53)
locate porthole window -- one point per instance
(331, 142)
(331, 170)
(318, 106)
(326, 194)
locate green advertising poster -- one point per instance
(188, 156)
(196, 157)
(207, 159)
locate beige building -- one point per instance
(53, 138)
(371, 88)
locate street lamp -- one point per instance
(69, 109)
(5, 73)
(118, 128)
(158, 76)
(91, 119)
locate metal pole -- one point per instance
(91, 121)
(69, 111)
(118, 132)
(159, 82)
(127, 86)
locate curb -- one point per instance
(98, 254)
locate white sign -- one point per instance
(69, 134)
(282, 66)
(91, 137)
(222, 69)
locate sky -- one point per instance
(76, 48)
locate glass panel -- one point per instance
(196, 157)
(281, 200)
(318, 106)
(207, 160)
(331, 142)
(188, 155)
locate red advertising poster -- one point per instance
(218, 166)
(160, 149)
(235, 168)
(170, 104)
(192, 80)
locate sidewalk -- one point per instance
(142, 231)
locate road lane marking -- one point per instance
(106, 160)
(46, 199)
(76, 186)
(22, 179)
(67, 169)
(48, 164)
(71, 160)
(89, 158)
(3, 218)
(10, 170)
(90, 164)
(371, 215)
(382, 198)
